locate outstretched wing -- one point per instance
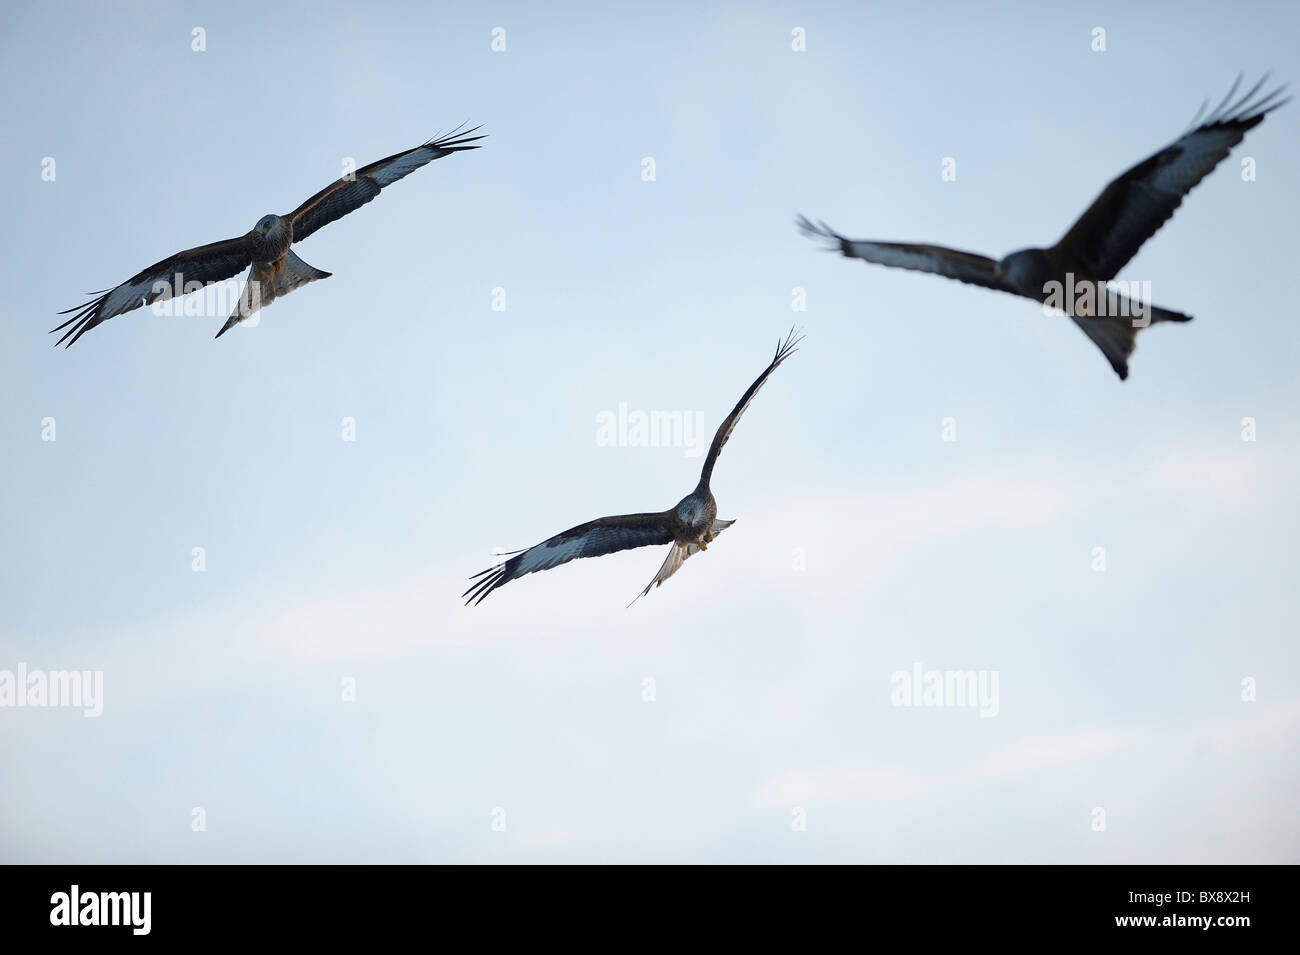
(950, 263)
(1134, 206)
(783, 351)
(206, 264)
(605, 535)
(347, 195)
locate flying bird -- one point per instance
(690, 525)
(1071, 275)
(273, 269)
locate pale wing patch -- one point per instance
(130, 295)
(545, 556)
(405, 165)
(134, 294)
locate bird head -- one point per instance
(266, 225)
(690, 510)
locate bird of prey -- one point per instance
(690, 525)
(273, 269)
(1097, 246)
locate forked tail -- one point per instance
(1117, 336)
(265, 284)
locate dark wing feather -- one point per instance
(1134, 206)
(606, 535)
(347, 195)
(215, 262)
(966, 267)
(783, 351)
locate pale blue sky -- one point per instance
(476, 429)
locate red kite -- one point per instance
(690, 526)
(273, 269)
(1125, 215)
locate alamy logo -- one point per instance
(941, 688)
(102, 908)
(652, 429)
(175, 297)
(1118, 299)
(71, 688)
